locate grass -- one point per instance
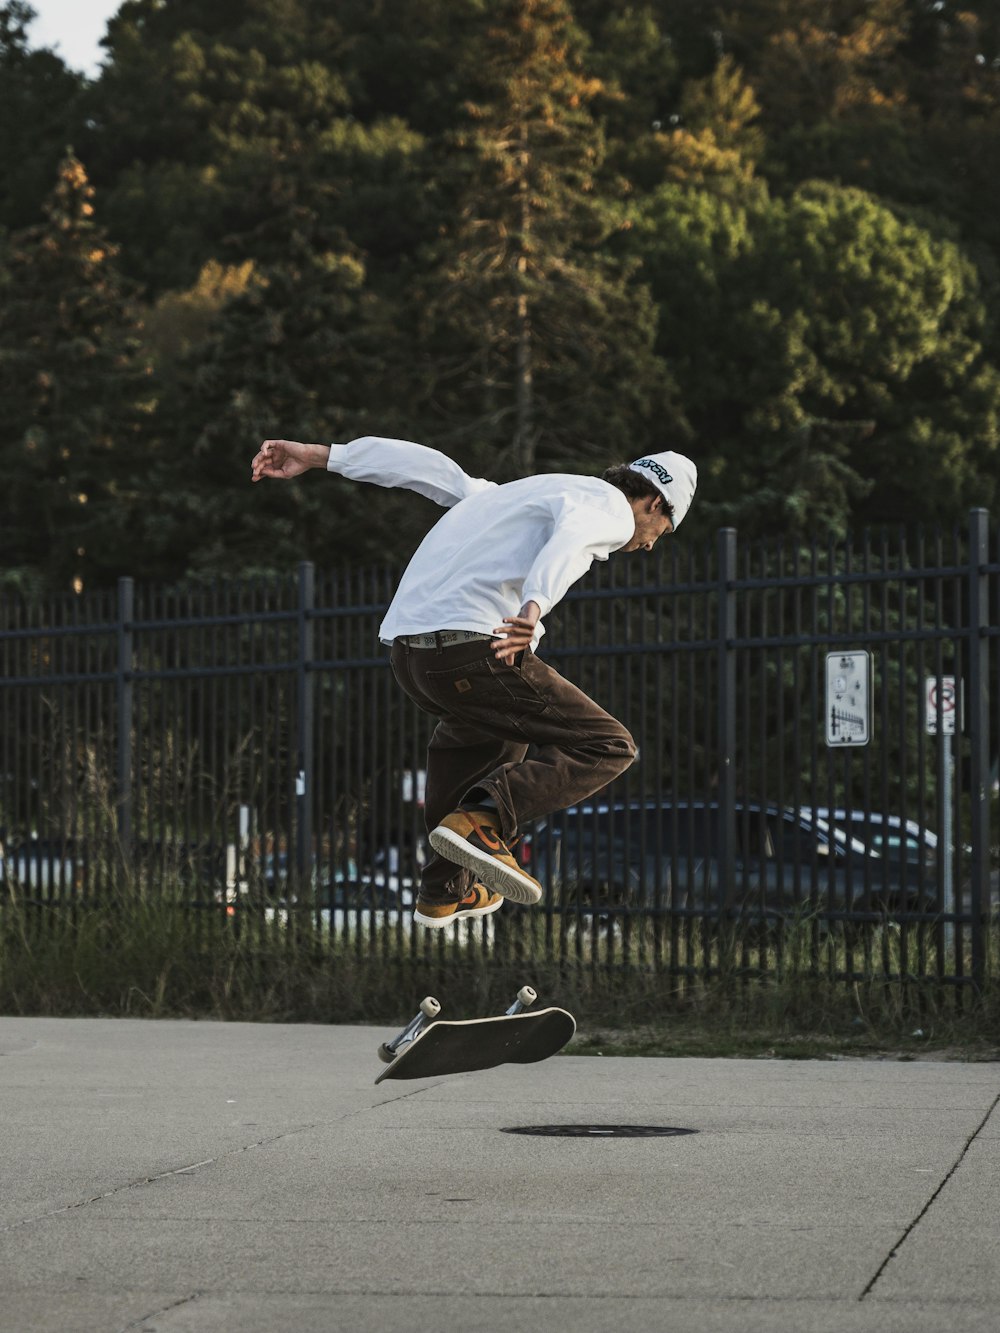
(870, 1044)
(973, 1036)
(149, 954)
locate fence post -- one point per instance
(978, 721)
(726, 665)
(123, 700)
(305, 724)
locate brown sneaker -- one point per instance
(479, 901)
(471, 838)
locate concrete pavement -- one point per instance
(205, 1177)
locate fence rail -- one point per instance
(246, 740)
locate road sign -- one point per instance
(942, 698)
(849, 681)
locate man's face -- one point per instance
(651, 522)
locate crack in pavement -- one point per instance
(151, 1180)
(414, 1092)
(931, 1201)
(195, 1166)
(174, 1305)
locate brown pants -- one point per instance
(488, 714)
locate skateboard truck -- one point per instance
(428, 1012)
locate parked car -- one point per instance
(910, 849)
(899, 841)
(604, 857)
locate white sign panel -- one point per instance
(848, 698)
(941, 693)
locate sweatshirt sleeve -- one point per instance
(581, 535)
(403, 463)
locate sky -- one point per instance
(73, 28)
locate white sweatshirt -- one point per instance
(497, 547)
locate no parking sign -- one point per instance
(942, 699)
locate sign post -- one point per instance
(942, 716)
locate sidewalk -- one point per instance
(207, 1178)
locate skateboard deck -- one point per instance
(447, 1047)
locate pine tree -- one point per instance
(193, 117)
(536, 339)
(816, 60)
(712, 141)
(77, 396)
(40, 111)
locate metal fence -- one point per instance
(243, 744)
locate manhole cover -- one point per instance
(600, 1131)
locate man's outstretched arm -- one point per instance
(374, 459)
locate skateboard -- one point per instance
(427, 1047)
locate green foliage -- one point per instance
(536, 233)
(40, 112)
(540, 336)
(194, 120)
(299, 344)
(76, 393)
(896, 332)
(182, 321)
(834, 359)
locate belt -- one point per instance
(442, 638)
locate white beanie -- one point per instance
(672, 474)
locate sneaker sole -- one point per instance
(470, 914)
(494, 874)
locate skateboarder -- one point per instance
(464, 624)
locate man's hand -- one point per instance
(517, 631)
(287, 458)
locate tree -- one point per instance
(815, 60)
(40, 112)
(899, 330)
(832, 357)
(298, 350)
(711, 141)
(280, 225)
(639, 71)
(953, 73)
(899, 97)
(193, 115)
(536, 340)
(77, 396)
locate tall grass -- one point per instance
(144, 952)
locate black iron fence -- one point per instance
(818, 729)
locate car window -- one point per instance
(891, 845)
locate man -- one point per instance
(463, 626)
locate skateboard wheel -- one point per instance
(429, 1007)
(527, 995)
(385, 1055)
